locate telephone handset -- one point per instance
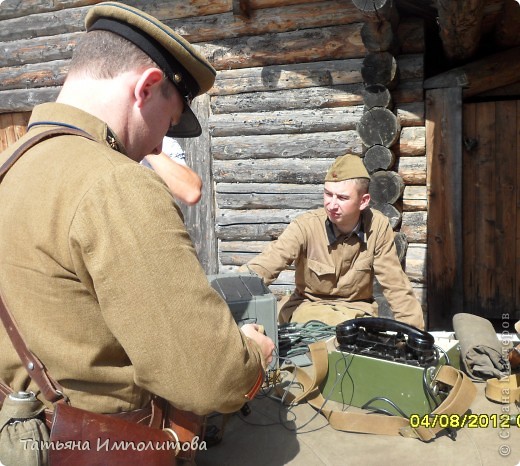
(369, 336)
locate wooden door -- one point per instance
(490, 204)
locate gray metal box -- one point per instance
(250, 302)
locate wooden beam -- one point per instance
(494, 71)
(507, 32)
(444, 142)
(460, 25)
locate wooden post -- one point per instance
(444, 237)
(200, 218)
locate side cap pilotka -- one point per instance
(189, 71)
(347, 167)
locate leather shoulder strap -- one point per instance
(35, 140)
(50, 389)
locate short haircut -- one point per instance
(362, 184)
(105, 55)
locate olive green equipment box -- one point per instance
(372, 383)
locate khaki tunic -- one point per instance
(101, 276)
(340, 269)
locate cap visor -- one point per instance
(188, 127)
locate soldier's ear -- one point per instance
(148, 82)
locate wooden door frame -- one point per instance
(444, 185)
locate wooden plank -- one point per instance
(12, 127)
(486, 202)
(43, 25)
(506, 211)
(306, 145)
(34, 75)
(498, 70)
(308, 45)
(444, 129)
(280, 19)
(469, 195)
(291, 76)
(200, 218)
(286, 122)
(38, 50)
(24, 100)
(343, 95)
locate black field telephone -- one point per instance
(387, 339)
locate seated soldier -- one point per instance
(337, 251)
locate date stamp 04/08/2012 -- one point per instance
(457, 421)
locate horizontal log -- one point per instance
(254, 231)
(17, 8)
(225, 217)
(309, 45)
(34, 75)
(412, 170)
(306, 171)
(410, 114)
(293, 99)
(284, 122)
(408, 91)
(292, 76)
(411, 35)
(302, 75)
(415, 198)
(23, 52)
(416, 262)
(307, 145)
(414, 226)
(379, 37)
(252, 247)
(24, 100)
(293, 171)
(44, 24)
(412, 141)
(498, 70)
(268, 196)
(162, 9)
(279, 19)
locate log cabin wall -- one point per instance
(289, 97)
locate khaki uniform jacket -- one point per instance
(343, 268)
(102, 278)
